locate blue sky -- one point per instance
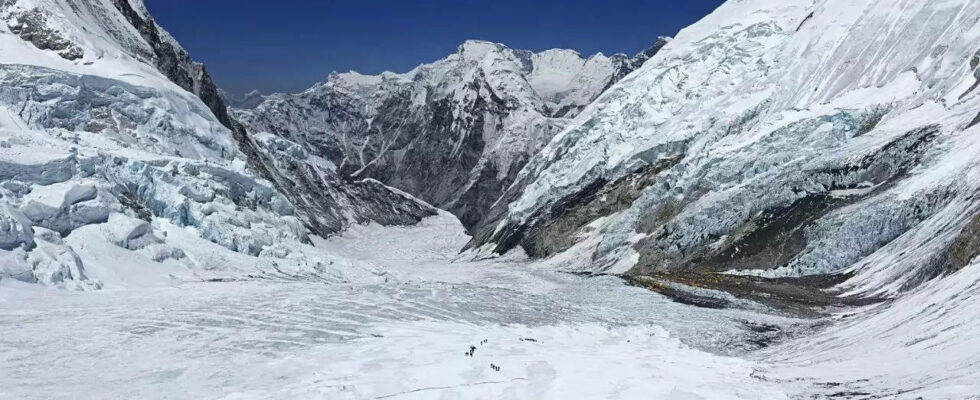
(287, 45)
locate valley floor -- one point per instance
(405, 335)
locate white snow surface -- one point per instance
(553, 335)
(553, 78)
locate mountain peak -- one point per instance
(478, 49)
(245, 101)
(649, 52)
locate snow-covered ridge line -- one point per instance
(562, 78)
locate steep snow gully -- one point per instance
(782, 202)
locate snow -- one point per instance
(104, 154)
(402, 337)
(453, 132)
(756, 109)
(921, 345)
(113, 48)
(564, 77)
(141, 258)
(357, 79)
(403, 334)
(515, 100)
(586, 361)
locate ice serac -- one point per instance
(772, 139)
(455, 132)
(119, 164)
(327, 204)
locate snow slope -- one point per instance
(772, 138)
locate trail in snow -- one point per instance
(553, 335)
(405, 338)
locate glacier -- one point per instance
(778, 203)
(778, 144)
(112, 147)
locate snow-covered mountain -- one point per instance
(805, 172)
(455, 132)
(115, 145)
(245, 101)
(774, 139)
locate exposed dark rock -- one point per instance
(473, 202)
(871, 120)
(552, 230)
(639, 59)
(132, 203)
(808, 17)
(763, 335)
(967, 245)
(775, 237)
(795, 296)
(770, 240)
(327, 203)
(176, 64)
(767, 239)
(32, 26)
(975, 67)
(556, 231)
(450, 133)
(656, 217)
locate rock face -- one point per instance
(967, 245)
(32, 26)
(771, 139)
(120, 163)
(454, 133)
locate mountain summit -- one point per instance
(455, 132)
